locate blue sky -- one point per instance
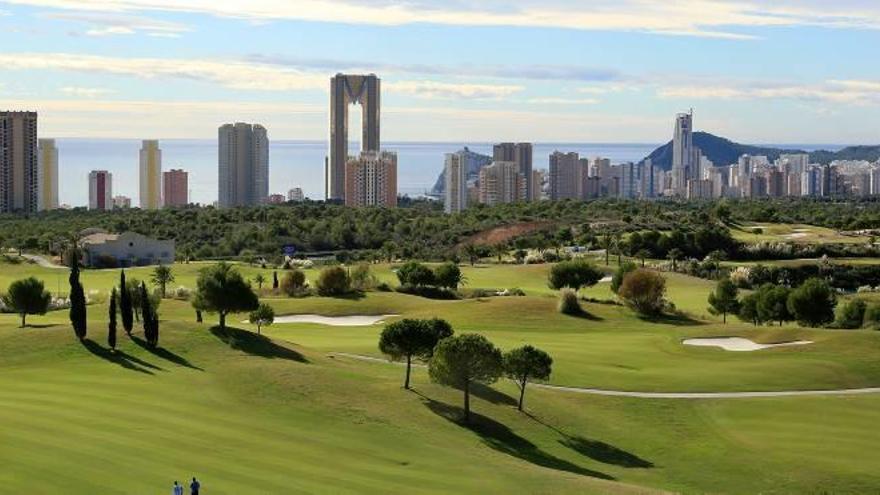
(481, 70)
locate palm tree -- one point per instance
(500, 250)
(618, 246)
(605, 242)
(260, 280)
(472, 253)
(162, 276)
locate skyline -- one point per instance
(604, 73)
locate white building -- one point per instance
(128, 249)
(296, 195)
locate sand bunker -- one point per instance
(739, 344)
(336, 321)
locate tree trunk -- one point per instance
(258, 329)
(724, 318)
(467, 401)
(408, 364)
(222, 320)
(23, 316)
(522, 394)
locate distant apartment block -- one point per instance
(19, 172)
(566, 176)
(175, 187)
(456, 188)
(501, 183)
(371, 179)
(121, 202)
(47, 177)
(276, 199)
(519, 153)
(100, 190)
(243, 165)
(150, 175)
(296, 195)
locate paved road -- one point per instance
(40, 260)
(662, 395)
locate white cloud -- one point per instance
(85, 92)
(852, 92)
(104, 24)
(434, 89)
(708, 18)
(230, 74)
(563, 101)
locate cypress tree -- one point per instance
(111, 328)
(146, 311)
(125, 305)
(78, 318)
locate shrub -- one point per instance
(851, 315)
(448, 275)
(772, 303)
(27, 297)
(294, 283)
(429, 292)
(362, 279)
(415, 274)
(568, 302)
(333, 282)
(574, 275)
(621, 272)
(872, 316)
(644, 292)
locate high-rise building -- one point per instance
(455, 174)
(628, 186)
(100, 190)
(699, 189)
(296, 195)
(47, 177)
(537, 185)
(682, 152)
(120, 202)
(19, 173)
(150, 175)
(521, 154)
(175, 187)
(243, 165)
(500, 183)
(648, 184)
(371, 179)
(566, 176)
(345, 90)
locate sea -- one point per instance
(291, 163)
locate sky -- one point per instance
(610, 71)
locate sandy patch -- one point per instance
(606, 278)
(739, 344)
(336, 321)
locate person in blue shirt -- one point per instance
(177, 489)
(194, 486)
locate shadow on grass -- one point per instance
(164, 353)
(39, 326)
(584, 315)
(597, 450)
(677, 319)
(120, 358)
(256, 345)
(489, 394)
(504, 440)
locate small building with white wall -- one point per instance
(102, 250)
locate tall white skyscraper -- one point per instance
(150, 175)
(47, 176)
(19, 184)
(243, 167)
(456, 187)
(682, 152)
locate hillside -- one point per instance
(725, 152)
